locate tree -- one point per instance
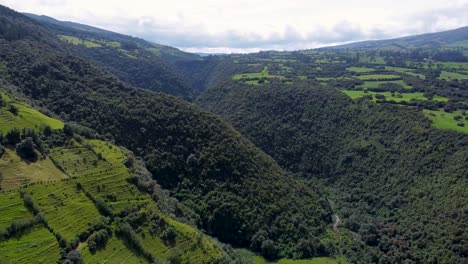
(269, 249)
(13, 109)
(13, 136)
(25, 149)
(74, 257)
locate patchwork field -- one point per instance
(405, 70)
(256, 77)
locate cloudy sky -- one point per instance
(252, 25)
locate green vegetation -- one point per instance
(25, 117)
(76, 41)
(452, 121)
(37, 246)
(445, 75)
(373, 159)
(375, 84)
(360, 69)
(395, 180)
(397, 97)
(378, 77)
(12, 209)
(406, 71)
(256, 78)
(17, 172)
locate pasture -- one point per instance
(443, 120)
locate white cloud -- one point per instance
(241, 25)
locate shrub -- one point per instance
(25, 149)
(13, 136)
(13, 109)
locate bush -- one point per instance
(13, 109)
(25, 149)
(13, 136)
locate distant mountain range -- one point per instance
(455, 37)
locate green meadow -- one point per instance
(256, 78)
(27, 117)
(378, 77)
(375, 84)
(406, 71)
(397, 97)
(445, 75)
(360, 69)
(443, 120)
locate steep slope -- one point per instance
(396, 182)
(437, 39)
(76, 195)
(136, 61)
(239, 193)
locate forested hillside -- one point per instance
(399, 184)
(238, 193)
(133, 60)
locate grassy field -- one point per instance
(443, 120)
(37, 246)
(455, 65)
(376, 77)
(27, 117)
(375, 84)
(360, 69)
(373, 60)
(17, 172)
(397, 97)
(406, 71)
(445, 75)
(77, 41)
(254, 78)
(12, 208)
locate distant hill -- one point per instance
(451, 37)
(134, 60)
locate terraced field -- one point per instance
(114, 252)
(12, 208)
(17, 172)
(37, 246)
(67, 209)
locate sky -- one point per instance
(226, 26)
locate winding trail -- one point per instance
(337, 222)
